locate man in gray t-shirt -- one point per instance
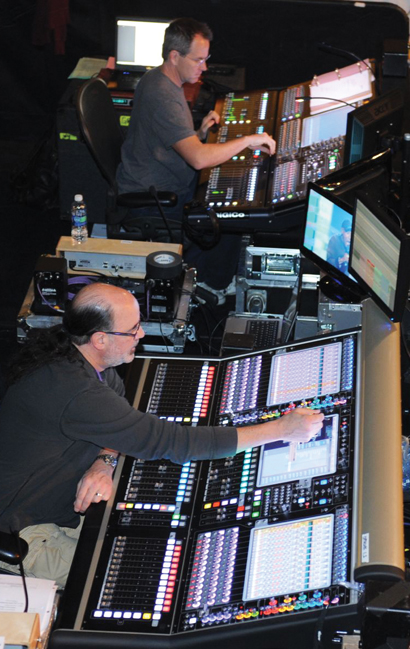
(162, 148)
(160, 118)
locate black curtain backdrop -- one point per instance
(276, 41)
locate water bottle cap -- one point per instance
(78, 198)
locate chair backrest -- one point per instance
(100, 127)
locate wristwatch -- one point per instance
(112, 460)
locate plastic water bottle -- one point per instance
(79, 230)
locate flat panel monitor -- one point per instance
(379, 257)
(139, 43)
(371, 175)
(370, 125)
(326, 238)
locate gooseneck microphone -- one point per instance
(325, 47)
(340, 101)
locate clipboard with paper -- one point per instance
(347, 85)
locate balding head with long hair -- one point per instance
(90, 311)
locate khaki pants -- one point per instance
(51, 551)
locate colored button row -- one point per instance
(126, 615)
(147, 506)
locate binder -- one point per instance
(350, 84)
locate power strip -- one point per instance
(112, 257)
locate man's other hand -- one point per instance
(262, 141)
(209, 120)
(94, 486)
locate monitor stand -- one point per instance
(339, 292)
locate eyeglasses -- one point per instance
(120, 333)
(197, 61)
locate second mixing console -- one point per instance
(253, 188)
(270, 546)
(266, 534)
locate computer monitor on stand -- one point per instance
(380, 257)
(326, 242)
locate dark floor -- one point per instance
(28, 230)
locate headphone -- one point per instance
(199, 234)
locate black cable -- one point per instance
(204, 310)
(325, 47)
(340, 101)
(152, 190)
(164, 339)
(291, 326)
(197, 342)
(317, 643)
(393, 213)
(298, 289)
(15, 535)
(202, 239)
(218, 324)
(402, 331)
(96, 272)
(21, 568)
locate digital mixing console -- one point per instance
(242, 180)
(245, 546)
(252, 190)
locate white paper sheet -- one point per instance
(41, 596)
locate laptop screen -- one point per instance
(139, 43)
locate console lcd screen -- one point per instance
(304, 374)
(283, 461)
(289, 557)
(326, 126)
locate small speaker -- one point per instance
(50, 286)
(395, 58)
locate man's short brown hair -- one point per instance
(180, 33)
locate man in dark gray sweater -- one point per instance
(65, 412)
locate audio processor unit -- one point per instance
(272, 545)
(111, 257)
